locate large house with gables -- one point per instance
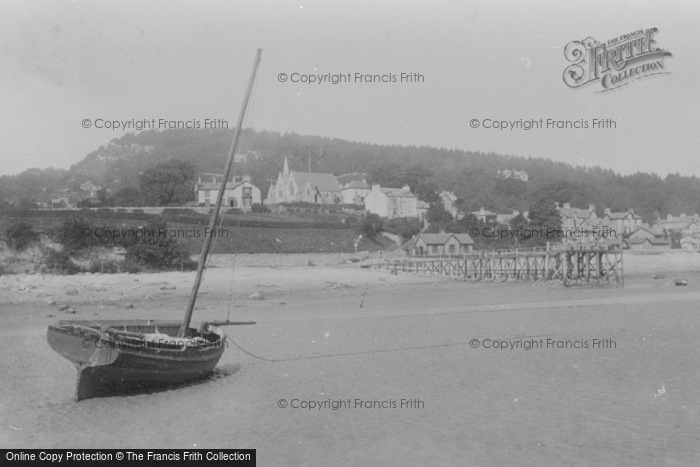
(577, 218)
(392, 202)
(239, 193)
(622, 222)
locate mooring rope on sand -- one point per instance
(365, 352)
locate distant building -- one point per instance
(506, 218)
(351, 177)
(622, 222)
(484, 215)
(247, 156)
(90, 188)
(63, 202)
(510, 173)
(682, 223)
(646, 244)
(422, 209)
(648, 232)
(427, 244)
(690, 242)
(239, 193)
(309, 187)
(354, 188)
(392, 202)
(449, 202)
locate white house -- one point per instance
(392, 202)
(484, 215)
(240, 193)
(309, 187)
(449, 202)
(354, 188)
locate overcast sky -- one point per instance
(65, 61)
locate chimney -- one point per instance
(682, 215)
(591, 207)
(407, 188)
(481, 211)
(556, 204)
(607, 211)
(669, 218)
(631, 210)
(567, 206)
(376, 187)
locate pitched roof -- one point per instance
(655, 232)
(653, 241)
(356, 184)
(216, 186)
(677, 223)
(322, 182)
(578, 212)
(449, 195)
(622, 215)
(486, 212)
(442, 238)
(351, 177)
(398, 193)
(434, 239)
(464, 239)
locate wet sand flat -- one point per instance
(413, 341)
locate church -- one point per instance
(299, 187)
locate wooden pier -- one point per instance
(570, 266)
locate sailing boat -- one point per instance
(117, 356)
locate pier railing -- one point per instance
(570, 266)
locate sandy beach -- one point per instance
(427, 371)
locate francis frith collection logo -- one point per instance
(615, 63)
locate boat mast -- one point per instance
(219, 198)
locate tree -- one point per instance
(168, 184)
(159, 251)
(74, 234)
(127, 197)
(407, 227)
(437, 215)
(20, 235)
(372, 225)
(545, 218)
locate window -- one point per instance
(247, 197)
(451, 249)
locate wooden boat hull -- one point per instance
(110, 365)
